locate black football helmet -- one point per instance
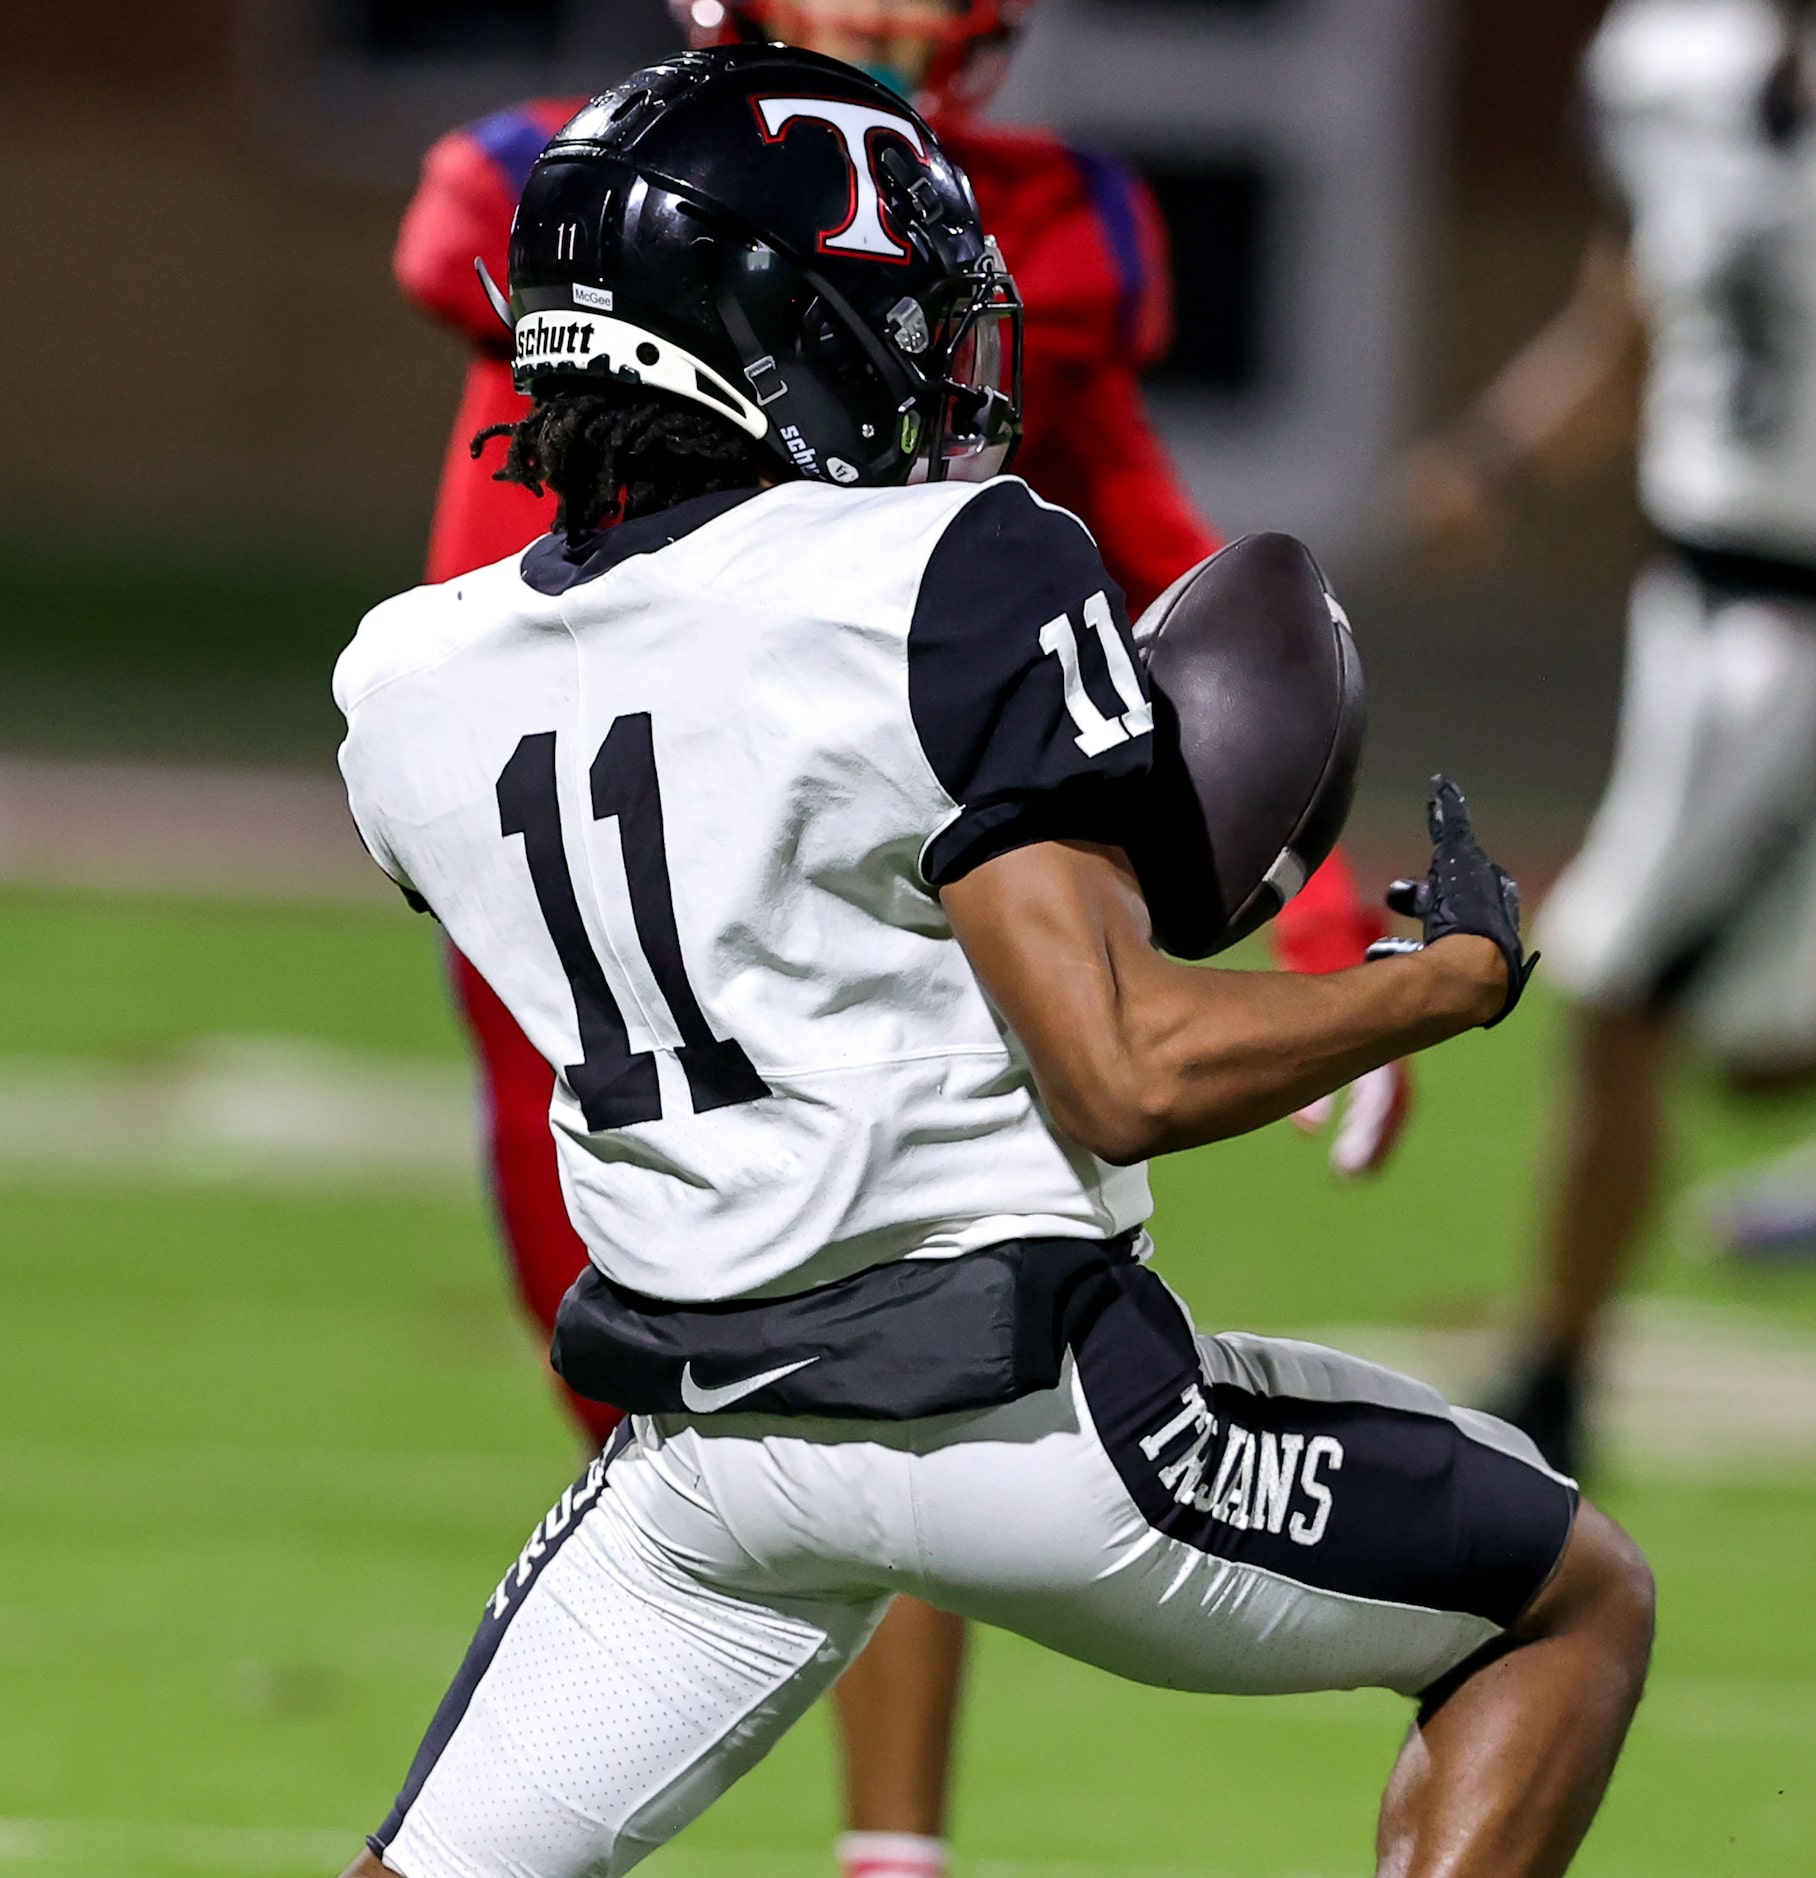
(774, 236)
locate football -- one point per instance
(1259, 718)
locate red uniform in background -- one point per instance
(1080, 234)
(1087, 248)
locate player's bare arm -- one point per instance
(1560, 409)
(1137, 1054)
(1566, 400)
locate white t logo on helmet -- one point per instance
(863, 231)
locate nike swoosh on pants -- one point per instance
(701, 1400)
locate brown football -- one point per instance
(1259, 719)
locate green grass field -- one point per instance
(265, 1445)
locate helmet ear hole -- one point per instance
(830, 348)
(823, 340)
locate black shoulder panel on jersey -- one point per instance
(1023, 683)
(552, 567)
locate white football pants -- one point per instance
(1229, 1514)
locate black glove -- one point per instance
(1465, 892)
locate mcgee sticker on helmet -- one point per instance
(777, 237)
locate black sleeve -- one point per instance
(1026, 692)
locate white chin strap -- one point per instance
(583, 342)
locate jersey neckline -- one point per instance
(551, 566)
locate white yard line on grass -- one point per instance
(81, 1845)
(265, 833)
(1690, 1389)
(1694, 1391)
(279, 1109)
(1722, 1708)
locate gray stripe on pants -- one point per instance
(1312, 1373)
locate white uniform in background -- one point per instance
(684, 793)
(1696, 887)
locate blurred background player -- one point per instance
(1087, 248)
(1691, 909)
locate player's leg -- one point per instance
(1250, 1516)
(629, 1667)
(1716, 742)
(1757, 1018)
(896, 1708)
(1507, 1763)
(1610, 1147)
(1608, 1174)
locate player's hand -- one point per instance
(1375, 1108)
(1465, 892)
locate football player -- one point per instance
(1691, 910)
(789, 815)
(1086, 245)
(1088, 250)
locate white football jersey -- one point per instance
(1716, 165)
(683, 796)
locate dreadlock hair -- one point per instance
(612, 452)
